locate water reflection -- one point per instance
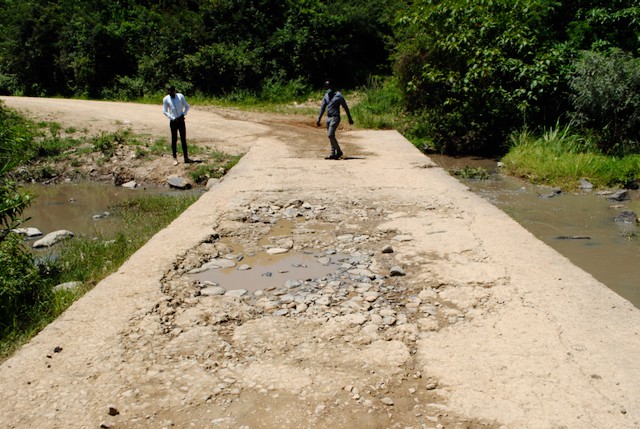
(611, 254)
(72, 206)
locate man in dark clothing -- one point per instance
(331, 103)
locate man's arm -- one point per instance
(346, 109)
(186, 106)
(166, 109)
(323, 106)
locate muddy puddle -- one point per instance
(82, 208)
(261, 270)
(580, 226)
(268, 265)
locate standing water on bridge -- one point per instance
(610, 254)
(606, 249)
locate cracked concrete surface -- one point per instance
(492, 329)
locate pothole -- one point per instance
(263, 270)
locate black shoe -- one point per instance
(331, 157)
(339, 154)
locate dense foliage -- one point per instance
(474, 71)
(606, 99)
(466, 73)
(20, 289)
(129, 48)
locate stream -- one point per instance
(611, 251)
(82, 208)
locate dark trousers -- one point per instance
(332, 126)
(178, 125)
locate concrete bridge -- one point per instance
(487, 328)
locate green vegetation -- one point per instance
(28, 300)
(222, 164)
(458, 76)
(131, 49)
(473, 173)
(560, 157)
(474, 72)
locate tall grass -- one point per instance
(561, 157)
(88, 260)
(379, 105)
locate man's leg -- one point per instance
(174, 140)
(183, 138)
(332, 126)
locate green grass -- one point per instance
(378, 105)
(472, 173)
(89, 260)
(222, 163)
(561, 157)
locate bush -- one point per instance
(21, 288)
(475, 71)
(379, 105)
(606, 99)
(106, 143)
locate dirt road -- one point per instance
(438, 311)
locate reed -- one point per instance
(561, 157)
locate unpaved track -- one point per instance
(494, 328)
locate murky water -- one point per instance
(78, 207)
(263, 271)
(611, 253)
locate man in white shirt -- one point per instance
(175, 107)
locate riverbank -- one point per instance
(488, 327)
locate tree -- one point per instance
(476, 70)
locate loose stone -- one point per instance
(277, 251)
(370, 296)
(237, 292)
(67, 286)
(213, 291)
(403, 237)
(28, 232)
(397, 272)
(387, 401)
(52, 238)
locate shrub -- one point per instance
(21, 289)
(606, 99)
(106, 143)
(477, 70)
(379, 105)
(561, 156)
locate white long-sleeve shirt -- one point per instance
(175, 107)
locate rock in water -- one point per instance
(627, 216)
(178, 182)
(28, 232)
(52, 238)
(619, 196)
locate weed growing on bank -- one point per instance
(561, 157)
(34, 302)
(221, 164)
(471, 173)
